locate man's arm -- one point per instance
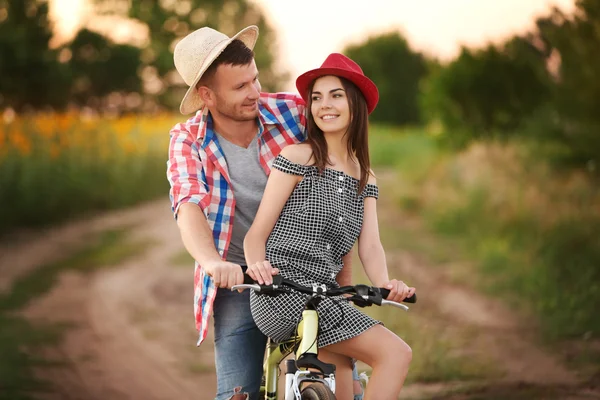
(190, 198)
(198, 241)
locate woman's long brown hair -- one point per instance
(357, 132)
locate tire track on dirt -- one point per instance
(133, 335)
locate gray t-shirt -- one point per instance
(248, 180)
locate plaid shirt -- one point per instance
(198, 174)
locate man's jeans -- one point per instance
(239, 346)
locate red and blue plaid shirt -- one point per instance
(198, 174)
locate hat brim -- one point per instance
(364, 84)
(192, 102)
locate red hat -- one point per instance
(339, 65)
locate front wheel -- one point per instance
(317, 391)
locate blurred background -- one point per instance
(486, 141)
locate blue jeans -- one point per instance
(355, 377)
(239, 345)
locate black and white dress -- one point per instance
(318, 225)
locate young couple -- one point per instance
(271, 183)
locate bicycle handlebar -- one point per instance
(361, 295)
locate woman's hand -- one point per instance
(262, 272)
(398, 290)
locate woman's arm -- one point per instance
(370, 249)
(372, 255)
(279, 187)
(344, 277)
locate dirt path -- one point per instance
(134, 336)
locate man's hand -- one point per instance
(225, 274)
(398, 290)
(262, 272)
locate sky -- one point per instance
(309, 30)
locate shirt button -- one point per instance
(340, 219)
(333, 274)
(341, 178)
(340, 190)
(328, 246)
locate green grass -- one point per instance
(532, 233)
(549, 271)
(21, 341)
(410, 151)
(500, 220)
(61, 167)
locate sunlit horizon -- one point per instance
(307, 34)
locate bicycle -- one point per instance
(306, 377)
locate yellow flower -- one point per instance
(20, 142)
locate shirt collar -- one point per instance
(206, 133)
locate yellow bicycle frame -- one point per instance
(307, 336)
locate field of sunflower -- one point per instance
(57, 166)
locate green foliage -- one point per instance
(100, 67)
(572, 42)
(113, 167)
(487, 92)
(536, 242)
(396, 69)
(544, 85)
(31, 74)
(554, 269)
(41, 77)
(90, 69)
(20, 341)
(170, 21)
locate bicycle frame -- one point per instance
(305, 358)
(303, 367)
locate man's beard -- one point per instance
(229, 111)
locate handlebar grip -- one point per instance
(248, 280)
(385, 293)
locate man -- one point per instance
(218, 165)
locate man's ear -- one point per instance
(206, 94)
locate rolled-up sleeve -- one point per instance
(185, 171)
(301, 117)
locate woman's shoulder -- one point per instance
(300, 153)
(372, 178)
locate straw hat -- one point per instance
(194, 54)
(339, 65)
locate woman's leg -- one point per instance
(343, 373)
(387, 354)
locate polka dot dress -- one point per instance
(318, 225)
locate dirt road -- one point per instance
(133, 334)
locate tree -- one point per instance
(396, 70)
(572, 44)
(100, 67)
(32, 75)
(170, 20)
(488, 92)
(545, 84)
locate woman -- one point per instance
(319, 199)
